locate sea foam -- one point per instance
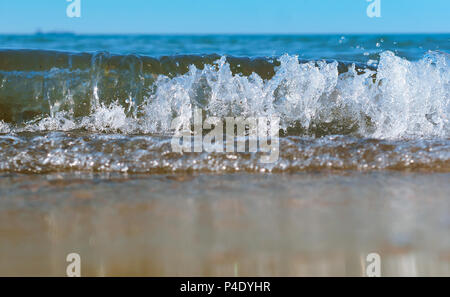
(399, 99)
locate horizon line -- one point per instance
(38, 32)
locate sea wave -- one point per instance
(130, 94)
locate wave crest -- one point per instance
(130, 94)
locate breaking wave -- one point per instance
(57, 91)
(112, 113)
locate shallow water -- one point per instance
(92, 152)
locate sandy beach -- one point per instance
(309, 224)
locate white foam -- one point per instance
(110, 118)
(4, 127)
(405, 100)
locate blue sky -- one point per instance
(225, 16)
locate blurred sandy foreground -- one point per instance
(310, 224)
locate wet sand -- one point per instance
(307, 224)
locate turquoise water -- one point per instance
(359, 48)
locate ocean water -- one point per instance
(352, 48)
(106, 103)
(87, 166)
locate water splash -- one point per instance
(131, 94)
